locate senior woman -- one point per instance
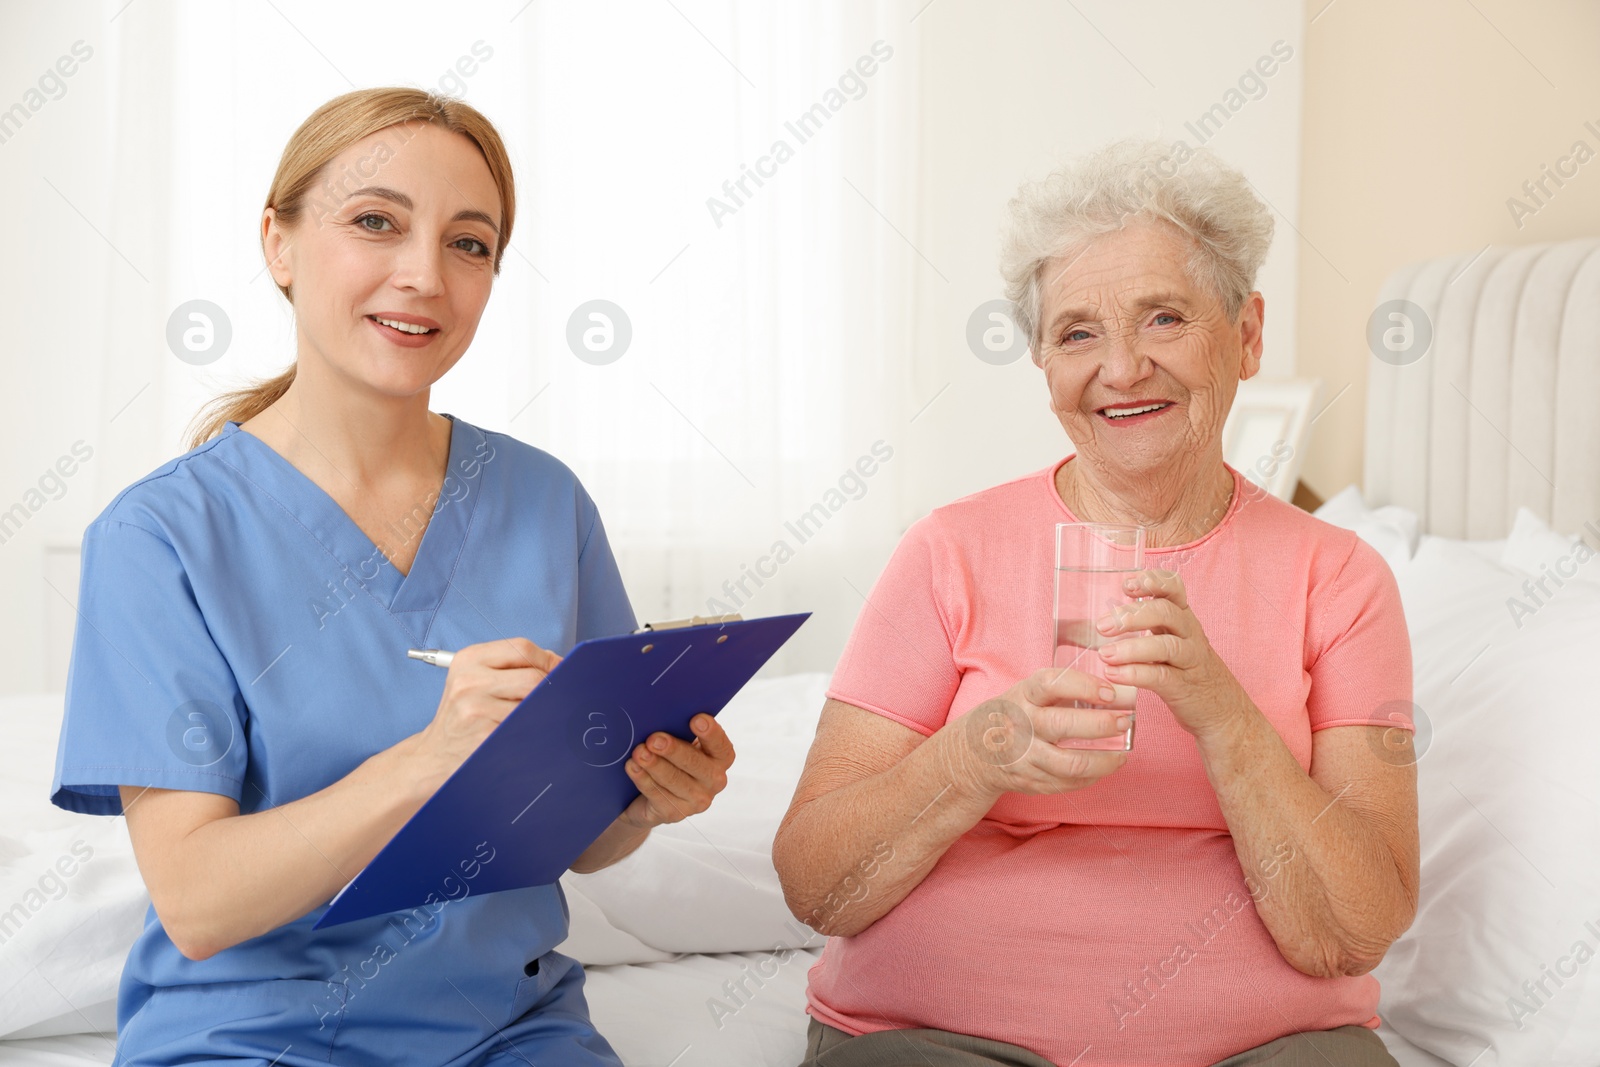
(1217, 895)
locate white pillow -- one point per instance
(593, 941)
(707, 884)
(1537, 550)
(1510, 867)
(1391, 529)
(71, 899)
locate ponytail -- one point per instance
(239, 405)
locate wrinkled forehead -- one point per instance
(1139, 266)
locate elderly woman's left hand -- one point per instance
(677, 779)
(1174, 661)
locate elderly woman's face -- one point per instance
(1124, 329)
(408, 242)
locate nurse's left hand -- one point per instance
(677, 779)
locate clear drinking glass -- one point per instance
(1092, 560)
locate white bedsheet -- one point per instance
(64, 1050)
(679, 1012)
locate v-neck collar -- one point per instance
(412, 598)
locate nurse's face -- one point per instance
(403, 226)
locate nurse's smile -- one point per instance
(407, 331)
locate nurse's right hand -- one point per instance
(486, 682)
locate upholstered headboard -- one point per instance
(1500, 408)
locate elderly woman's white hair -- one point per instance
(1135, 181)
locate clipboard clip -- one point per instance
(693, 620)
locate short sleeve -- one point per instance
(1360, 648)
(603, 606)
(899, 660)
(150, 699)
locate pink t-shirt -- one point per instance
(1113, 924)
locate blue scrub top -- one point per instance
(238, 634)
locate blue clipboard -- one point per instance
(549, 779)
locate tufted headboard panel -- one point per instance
(1502, 408)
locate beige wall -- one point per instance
(1422, 117)
(1009, 91)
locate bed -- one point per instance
(1482, 488)
(656, 1005)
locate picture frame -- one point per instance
(1268, 429)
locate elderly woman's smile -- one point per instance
(1133, 412)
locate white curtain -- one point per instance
(769, 320)
(764, 381)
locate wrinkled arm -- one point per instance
(1331, 857)
(877, 806)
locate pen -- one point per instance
(441, 658)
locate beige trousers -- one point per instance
(1347, 1046)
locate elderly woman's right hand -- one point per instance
(1009, 744)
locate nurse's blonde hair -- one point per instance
(332, 128)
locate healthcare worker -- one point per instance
(239, 685)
